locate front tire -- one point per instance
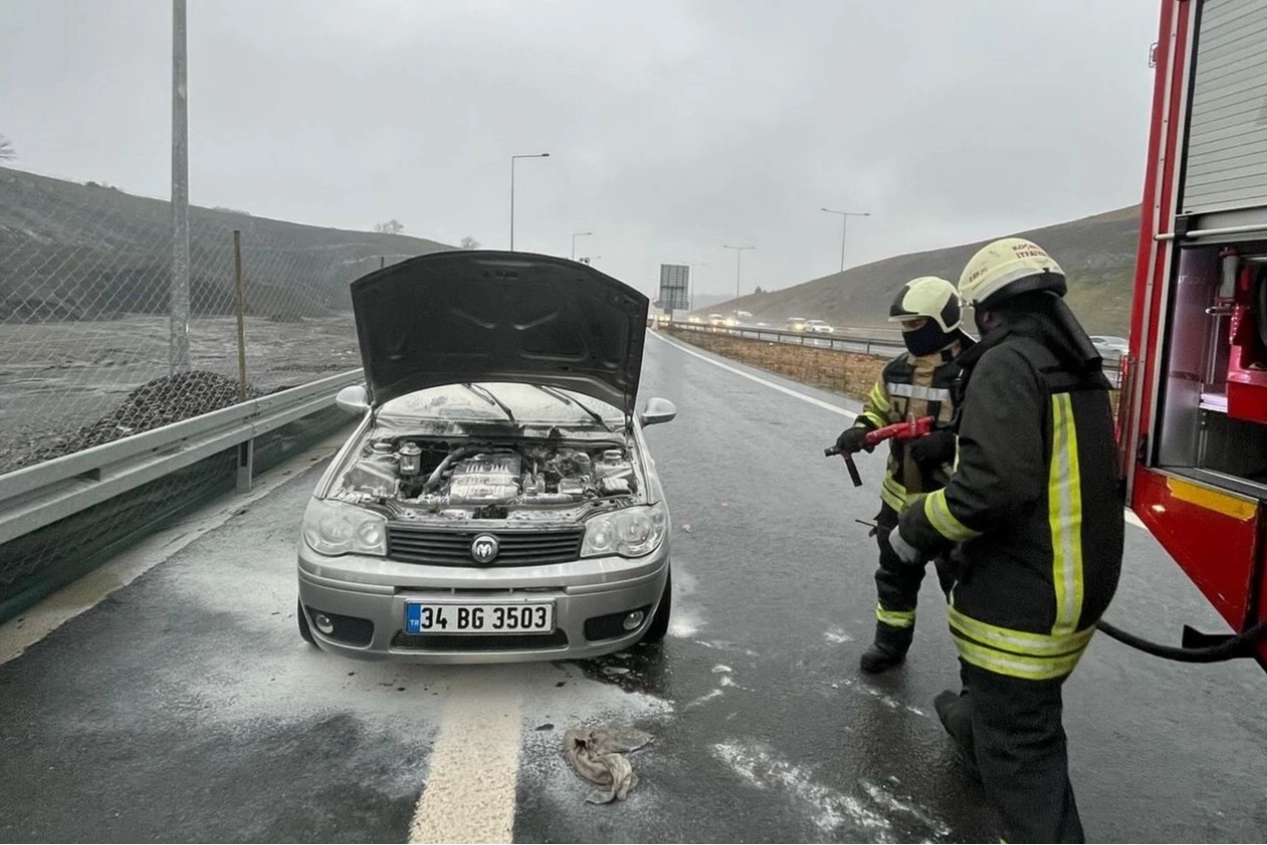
(304, 630)
(659, 626)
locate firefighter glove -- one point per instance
(935, 449)
(852, 440)
(904, 550)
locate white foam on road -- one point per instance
(836, 635)
(828, 808)
(871, 814)
(888, 700)
(883, 796)
(37, 622)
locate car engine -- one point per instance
(479, 480)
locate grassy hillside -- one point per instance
(71, 251)
(1098, 254)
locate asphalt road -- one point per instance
(185, 707)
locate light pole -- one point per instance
(178, 348)
(513, 159)
(738, 263)
(690, 283)
(844, 222)
(576, 235)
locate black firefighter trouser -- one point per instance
(897, 587)
(1011, 729)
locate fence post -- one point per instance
(241, 298)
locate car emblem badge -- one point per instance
(484, 548)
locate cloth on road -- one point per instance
(598, 756)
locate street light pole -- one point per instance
(844, 223)
(690, 283)
(576, 235)
(179, 359)
(512, 192)
(738, 263)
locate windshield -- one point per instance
(489, 402)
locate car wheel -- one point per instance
(660, 622)
(304, 630)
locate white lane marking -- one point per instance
(36, 623)
(1131, 518)
(836, 409)
(469, 795)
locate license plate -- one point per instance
(525, 618)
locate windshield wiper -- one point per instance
(559, 394)
(491, 398)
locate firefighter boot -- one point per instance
(955, 712)
(888, 650)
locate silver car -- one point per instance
(497, 501)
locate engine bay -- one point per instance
(486, 480)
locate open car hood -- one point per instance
(474, 315)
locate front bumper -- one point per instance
(591, 597)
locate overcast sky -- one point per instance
(673, 127)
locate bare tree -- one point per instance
(7, 153)
(470, 243)
(391, 227)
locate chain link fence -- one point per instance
(85, 325)
(87, 346)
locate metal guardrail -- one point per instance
(40, 495)
(839, 341)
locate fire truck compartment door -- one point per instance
(1227, 140)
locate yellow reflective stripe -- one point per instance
(893, 493)
(896, 502)
(1064, 505)
(876, 419)
(880, 398)
(940, 517)
(895, 618)
(1020, 642)
(1017, 665)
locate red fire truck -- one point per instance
(1192, 428)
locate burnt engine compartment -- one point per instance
(486, 480)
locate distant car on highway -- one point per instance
(818, 327)
(795, 324)
(1110, 347)
(717, 319)
(694, 320)
(497, 501)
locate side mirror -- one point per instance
(352, 399)
(657, 411)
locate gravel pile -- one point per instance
(157, 403)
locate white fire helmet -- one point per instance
(1008, 267)
(927, 296)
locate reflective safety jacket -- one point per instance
(918, 386)
(1035, 503)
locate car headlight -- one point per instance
(333, 528)
(631, 532)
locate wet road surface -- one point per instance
(184, 706)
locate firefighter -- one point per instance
(915, 383)
(1035, 508)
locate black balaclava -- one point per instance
(927, 339)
